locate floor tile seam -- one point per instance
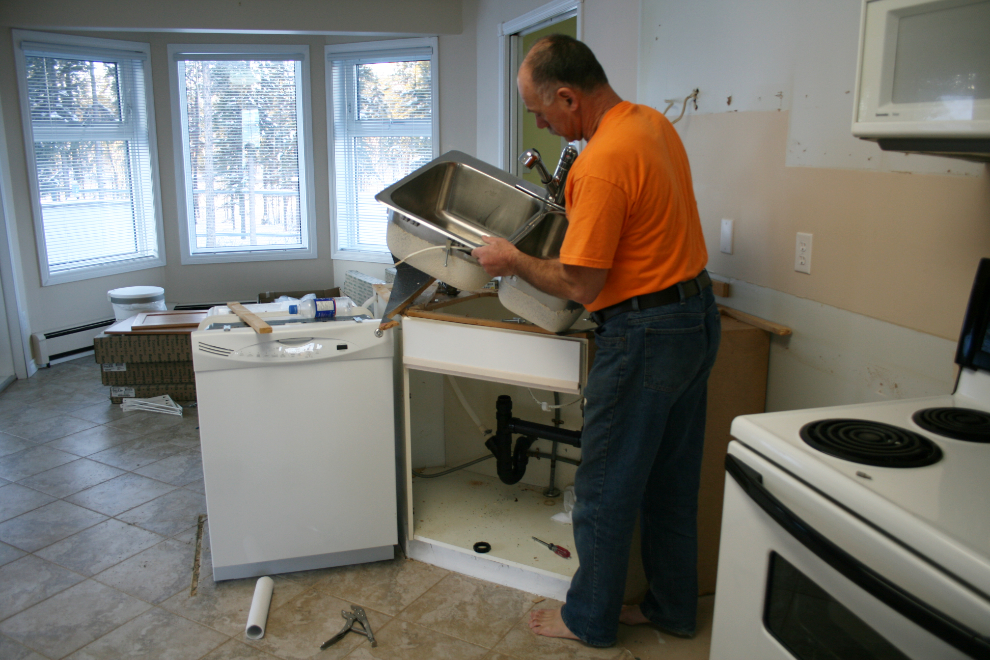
(49, 596)
(67, 451)
(106, 568)
(158, 606)
(449, 573)
(73, 493)
(512, 627)
(205, 625)
(150, 547)
(31, 648)
(17, 483)
(404, 609)
(442, 634)
(120, 513)
(114, 629)
(105, 518)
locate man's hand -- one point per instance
(498, 257)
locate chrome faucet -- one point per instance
(554, 184)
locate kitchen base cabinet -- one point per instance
(445, 517)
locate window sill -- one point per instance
(370, 257)
(238, 257)
(52, 279)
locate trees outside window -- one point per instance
(88, 120)
(246, 174)
(383, 97)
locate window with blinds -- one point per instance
(87, 112)
(383, 98)
(243, 131)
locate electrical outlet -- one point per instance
(802, 254)
(726, 236)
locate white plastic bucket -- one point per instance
(132, 300)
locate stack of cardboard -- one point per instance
(149, 355)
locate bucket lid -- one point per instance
(136, 294)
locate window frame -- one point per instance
(96, 47)
(180, 140)
(381, 51)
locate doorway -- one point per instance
(531, 137)
(517, 128)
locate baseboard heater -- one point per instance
(48, 346)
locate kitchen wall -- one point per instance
(187, 21)
(896, 237)
(609, 27)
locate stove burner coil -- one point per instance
(957, 423)
(871, 443)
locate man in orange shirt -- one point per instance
(634, 256)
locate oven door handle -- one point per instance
(944, 627)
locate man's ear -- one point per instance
(569, 97)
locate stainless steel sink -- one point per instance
(440, 212)
(462, 199)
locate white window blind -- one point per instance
(243, 131)
(87, 124)
(383, 128)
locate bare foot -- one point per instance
(549, 624)
(632, 615)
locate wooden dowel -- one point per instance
(769, 326)
(250, 318)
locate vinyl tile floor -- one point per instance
(98, 529)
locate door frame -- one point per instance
(11, 273)
(508, 33)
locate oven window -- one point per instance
(813, 625)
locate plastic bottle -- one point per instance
(322, 308)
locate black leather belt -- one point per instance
(672, 294)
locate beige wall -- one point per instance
(897, 238)
(365, 17)
(69, 304)
(894, 246)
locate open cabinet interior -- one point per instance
(465, 373)
(473, 504)
(459, 371)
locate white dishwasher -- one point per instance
(298, 440)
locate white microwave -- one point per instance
(923, 80)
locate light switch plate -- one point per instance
(726, 236)
(802, 253)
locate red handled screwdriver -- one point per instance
(563, 552)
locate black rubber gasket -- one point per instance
(482, 547)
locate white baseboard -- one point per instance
(492, 569)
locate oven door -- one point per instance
(801, 577)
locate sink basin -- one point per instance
(451, 203)
(462, 199)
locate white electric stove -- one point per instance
(863, 531)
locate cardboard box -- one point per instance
(179, 392)
(147, 373)
(136, 348)
(270, 296)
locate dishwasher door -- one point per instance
(298, 448)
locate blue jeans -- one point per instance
(641, 453)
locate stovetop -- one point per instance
(926, 487)
(940, 509)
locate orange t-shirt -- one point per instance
(631, 208)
